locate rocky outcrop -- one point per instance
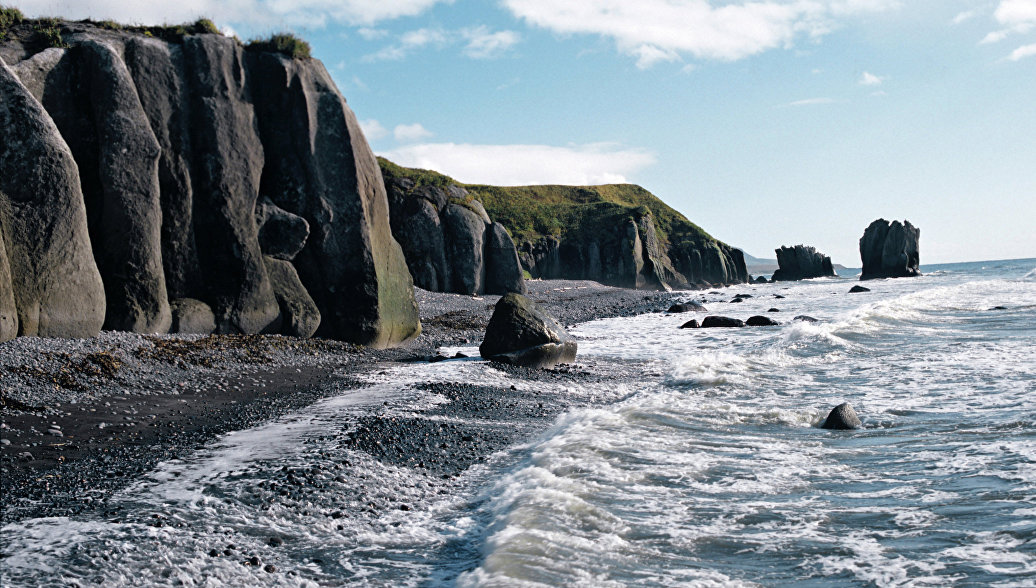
(449, 241)
(521, 333)
(890, 250)
(203, 169)
(802, 263)
(55, 285)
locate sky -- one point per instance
(767, 123)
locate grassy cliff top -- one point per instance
(48, 32)
(532, 212)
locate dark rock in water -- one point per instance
(802, 263)
(774, 310)
(503, 270)
(191, 316)
(842, 417)
(689, 306)
(521, 333)
(300, 316)
(281, 234)
(761, 321)
(691, 324)
(721, 321)
(890, 250)
(998, 308)
(856, 289)
(762, 280)
(743, 296)
(778, 296)
(55, 284)
(736, 300)
(806, 319)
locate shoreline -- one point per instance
(95, 414)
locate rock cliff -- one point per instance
(619, 235)
(802, 263)
(141, 173)
(449, 240)
(890, 250)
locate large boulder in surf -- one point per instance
(689, 306)
(890, 250)
(319, 166)
(802, 263)
(522, 333)
(761, 321)
(842, 417)
(55, 284)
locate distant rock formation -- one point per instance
(890, 250)
(522, 333)
(449, 241)
(137, 170)
(802, 263)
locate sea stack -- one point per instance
(802, 263)
(890, 250)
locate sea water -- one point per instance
(707, 468)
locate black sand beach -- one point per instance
(84, 418)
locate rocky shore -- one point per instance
(82, 418)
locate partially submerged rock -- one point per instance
(761, 321)
(689, 306)
(691, 324)
(521, 333)
(721, 321)
(858, 289)
(890, 250)
(842, 417)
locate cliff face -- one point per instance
(449, 241)
(890, 250)
(157, 158)
(618, 235)
(802, 263)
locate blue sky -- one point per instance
(768, 123)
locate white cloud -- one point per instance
(410, 41)
(308, 13)
(659, 30)
(483, 44)
(372, 34)
(373, 130)
(1015, 16)
(964, 16)
(811, 102)
(411, 133)
(869, 79)
(1023, 52)
(517, 165)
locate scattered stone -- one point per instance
(691, 324)
(721, 321)
(805, 319)
(737, 300)
(761, 280)
(761, 321)
(998, 308)
(778, 296)
(856, 289)
(774, 310)
(270, 568)
(842, 417)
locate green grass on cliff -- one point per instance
(284, 43)
(532, 212)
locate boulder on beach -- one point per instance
(842, 417)
(761, 321)
(858, 289)
(721, 321)
(890, 250)
(801, 263)
(521, 333)
(192, 317)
